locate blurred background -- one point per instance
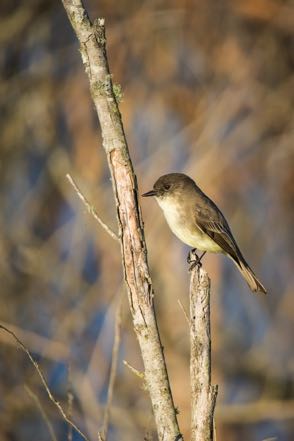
(208, 91)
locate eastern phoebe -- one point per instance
(196, 221)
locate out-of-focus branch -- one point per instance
(203, 397)
(249, 413)
(42, 411)
(54, 350)
(70, 399)
(184, 311)
(114, 361)
(134, 254)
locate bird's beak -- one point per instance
(149, 193)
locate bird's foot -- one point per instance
(191, 256)
(194, 260)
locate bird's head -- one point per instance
(170, 185)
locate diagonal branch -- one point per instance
(90, 207)
(134, 254)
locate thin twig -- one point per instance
(184, 311)
(113, 368)
(90, 208)
(42, 411)
(41, 375)
(134, 370)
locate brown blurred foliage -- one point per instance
(208, 90)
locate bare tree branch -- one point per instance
(134, 254)
(203, 394)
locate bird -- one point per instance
(196, 220)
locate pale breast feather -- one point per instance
(187, 231)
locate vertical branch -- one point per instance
(203, 393)
(114, 361)
(92, 41)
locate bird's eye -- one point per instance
(166, 186)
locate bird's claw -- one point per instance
(193, 259)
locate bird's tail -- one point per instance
(251, 279)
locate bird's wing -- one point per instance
(211, 221)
